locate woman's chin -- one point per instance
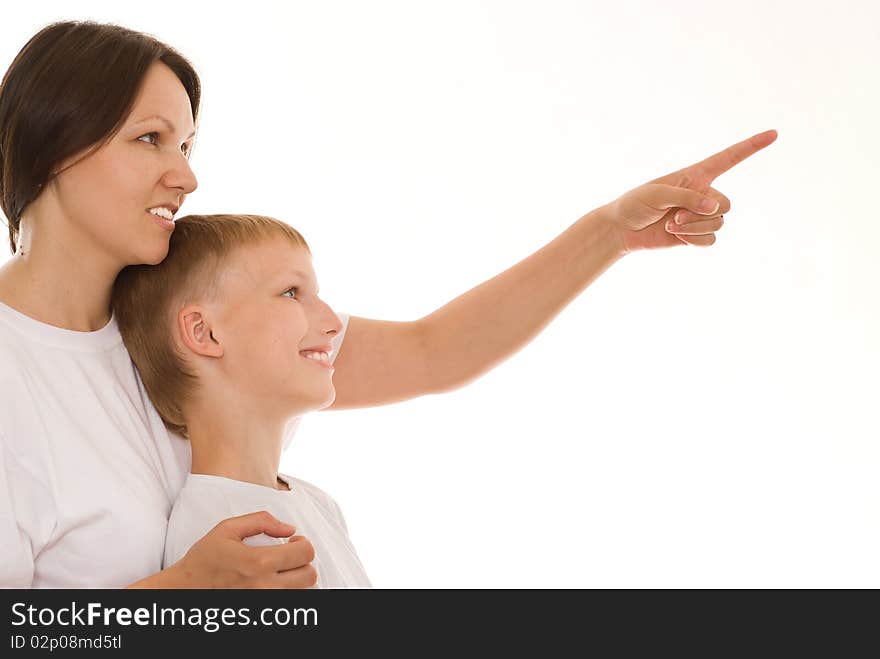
(154, 256)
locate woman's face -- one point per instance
(104, 200)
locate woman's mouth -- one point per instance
(163, 216)
(162, 222)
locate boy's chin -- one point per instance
(328, 401)
(313, 403)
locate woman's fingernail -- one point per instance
(670, 226)
(708, 205)
(679, 217)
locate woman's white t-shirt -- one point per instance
(88, 471)
(207, 500)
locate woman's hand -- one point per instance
(221, 560)
(670, 210)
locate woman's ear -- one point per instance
(196, 332)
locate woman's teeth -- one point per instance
(162, 212)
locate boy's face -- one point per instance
(264, 326)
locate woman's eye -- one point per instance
(154, 139)
(291, 290)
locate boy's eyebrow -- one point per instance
(163, 120)
(303, 275)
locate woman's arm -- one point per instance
(167, 578)
(384, 362)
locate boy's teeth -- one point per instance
(317, 356)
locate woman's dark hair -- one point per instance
(70, 88)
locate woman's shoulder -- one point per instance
(13, 350)
(21, 333)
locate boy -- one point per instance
(232, 341)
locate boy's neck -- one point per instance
(237, 448)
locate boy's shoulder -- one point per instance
(313, 492)
(304, 486)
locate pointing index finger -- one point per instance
(714, 166)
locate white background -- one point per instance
(698, 417)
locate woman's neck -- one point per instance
(57, 279)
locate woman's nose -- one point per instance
(180, 175)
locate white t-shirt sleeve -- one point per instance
(16, 547)
(337, 340)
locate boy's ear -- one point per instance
(195, 330)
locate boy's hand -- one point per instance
(668, 211)
(221, 560)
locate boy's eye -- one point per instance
(291, 290)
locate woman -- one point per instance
(96, 126)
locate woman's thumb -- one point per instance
(701, 204)
(663, 197)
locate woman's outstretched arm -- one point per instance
(384, 362)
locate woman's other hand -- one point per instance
(221, 560)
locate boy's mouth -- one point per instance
(319, 358)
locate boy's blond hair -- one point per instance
(146, 299)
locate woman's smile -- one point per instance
(168, 225)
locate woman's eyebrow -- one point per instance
(165, 121)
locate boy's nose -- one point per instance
(326, 322)
(335, 327)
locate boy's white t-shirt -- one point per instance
(88, 471)
(207, 500)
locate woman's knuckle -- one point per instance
(305, 548)
(261, 564)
